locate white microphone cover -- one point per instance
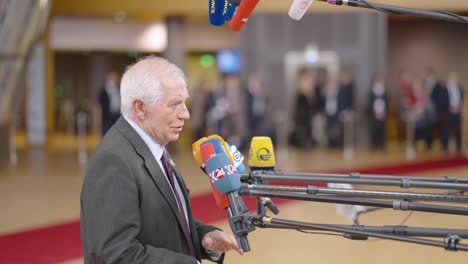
(349, 211)
(298, 8)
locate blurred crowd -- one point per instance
(324, 109)
(234, 109)
(323, 106)
(433, 108)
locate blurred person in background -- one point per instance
(304, 107)
(334, 124)
(346, 92)
(454, 121)
(257, 100)
(339, 98)
(377, 108)
(217, 106)
(135, 206)
(422, 114)
(233, 125)
(199, 106)
(440, 101)
(109, 101)
(407, 100)
(319, 120)
(405, 88)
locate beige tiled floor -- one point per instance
(43, 189)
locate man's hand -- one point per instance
(220, 241)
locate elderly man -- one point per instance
(135, 206)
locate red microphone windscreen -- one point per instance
(207, 150)
(242, 14)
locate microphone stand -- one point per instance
(451, 241)
(312, 193)
(252, 185)
(396, 205)
(396, 10)
(314, 190)
(237, 216)
(356, 178)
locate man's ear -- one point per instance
(138, 109)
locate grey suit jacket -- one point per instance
(128, 211)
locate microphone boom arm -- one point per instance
(396, 205)
(315, 190)
(359, 232)
(252, 185)
(356, 178)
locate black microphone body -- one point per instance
(226, 180)
(238, 216)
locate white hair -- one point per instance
(143, 79)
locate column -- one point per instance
(175, 51)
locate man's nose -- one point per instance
(184, 113)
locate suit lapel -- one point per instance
(183, 187)
(151, 165)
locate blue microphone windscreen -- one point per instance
(218, 146)
(223, 174)
(240, 168)
(216, 11)
(231, 10)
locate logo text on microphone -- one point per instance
(219, 173)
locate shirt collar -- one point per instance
(155, 148)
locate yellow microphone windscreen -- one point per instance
(196, 151)
(261, 154)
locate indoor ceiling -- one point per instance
(156, 9)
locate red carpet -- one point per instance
(42, 246)
(59, 243)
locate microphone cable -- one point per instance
(396, 10)
(390, 12)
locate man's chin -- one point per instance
(175, 137)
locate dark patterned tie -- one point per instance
(179, 197)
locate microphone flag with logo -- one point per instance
(216, 11)
(223, 174)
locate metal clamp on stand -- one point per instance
(245, 222)
(451, 242)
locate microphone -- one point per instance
(298, 9)
(261, 154)
(226, 180)
(242, 14)
(207, 151)
(237, 157)
(197, 154)
(350, 211)
(262, 157)
(223, 174)
(216, 11)
(222, 147)
(231, 10)
(217, 145)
